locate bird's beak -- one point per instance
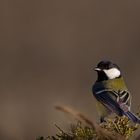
(97, 69)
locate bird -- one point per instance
(111, 93)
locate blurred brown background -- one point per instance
(47, 51)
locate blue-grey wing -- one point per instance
(108, 99)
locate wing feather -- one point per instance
(109, 102)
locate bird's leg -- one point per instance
(102, 119)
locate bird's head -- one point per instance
(107, 70)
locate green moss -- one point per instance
(77, 132)
(120, 125)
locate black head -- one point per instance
(107, 70)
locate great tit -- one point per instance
(111, 92)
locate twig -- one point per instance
(100, 131)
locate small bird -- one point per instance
(111, 92)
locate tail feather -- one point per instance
(132, 117)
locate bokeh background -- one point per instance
(47, 51)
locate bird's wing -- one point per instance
(112, 100)
(119, 106)
(124, 98)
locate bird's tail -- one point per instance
(132, 117)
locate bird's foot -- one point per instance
(102, 120)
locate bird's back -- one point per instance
(117, 84)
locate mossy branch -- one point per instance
(117, 128)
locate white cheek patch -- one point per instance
(112, 73)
